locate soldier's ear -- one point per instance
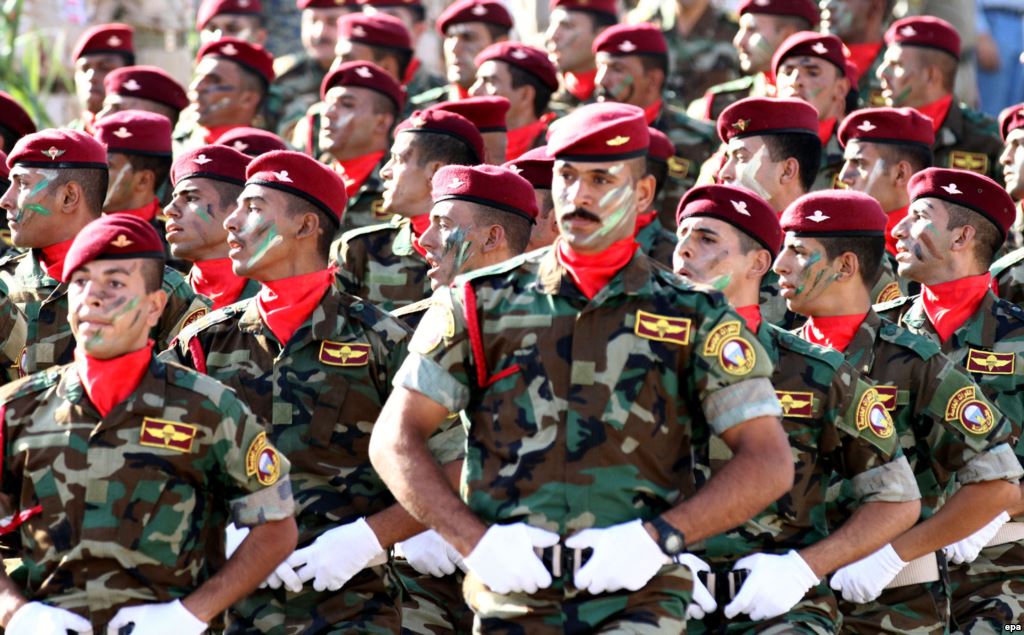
(70, 197)
(760, 264)
(156, 301)
(963, 237)
(645, 193)
(847, 266)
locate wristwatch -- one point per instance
(671, 540)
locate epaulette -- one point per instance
(800, 346)
(429, 95)
(11, 258)
(369, 229)
(285, 63)
(924, 347)
(893, 304)
(502, 267)
(411, 309)
(34, 383)
(997, 268)
(372, 317)
(212, 318)
(734, 85)
(1006, 307)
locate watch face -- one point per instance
(673, 544)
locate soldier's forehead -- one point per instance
(751, 143)
(1015, 136)
(803, 60)
(611, 167)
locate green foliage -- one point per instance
(31, 67)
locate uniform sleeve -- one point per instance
(14, 329)
(448, 443)
(184, 306)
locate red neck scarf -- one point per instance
(825, 129)
(285, 304)
(592, 272)
(862, 55)
(891, 220)
(751, 314)
(581, 85)
(147, 212)
(937, 110)
(460, 92)
(210, 135)
(832, 331)
(643, 220)
(108, 382)
(651, 112)
(521, 139)
(949, 304)
(216, 280)
(420, 224)
(410, 71)
(355, 171)
(53, 258)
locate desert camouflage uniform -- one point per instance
(380, 264)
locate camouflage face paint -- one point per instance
(748, 176)
(900, 98)
(115, 184)
(205, 215)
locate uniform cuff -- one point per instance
(996, 464)
(449, 442)
(270, 503)
(426, 376)
(893, 482)
(736, 403)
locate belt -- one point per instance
(1010, 532)
(561, 560)
(917, 571)
(724, 586)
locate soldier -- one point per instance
(99, 50)
(362, 103)
(175, 454)
(529, 452)
(957, 221)
(242, 19)
(468, 27)
(536, 166)
(1008, 271)
(526, 78)
(143, 88)
(860, 24)
(655, 239)
(918, 71)
(138, 147)
(12, 321)
(207, 182)
(252, 141)
(569, 39)
(59, 181)
(317, 364)
(384, 264)
(836, 425)
(764, 25)
(15, 123)
(943, 423)
(488, 115)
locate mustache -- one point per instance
(582, 214)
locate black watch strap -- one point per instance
(671, 540)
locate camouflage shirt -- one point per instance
(718, 98)
(424, 90)
(564, 434)
(695, 142)
(121, 509)
(296, 88)
(657, 242)
(968, 140)
(831, 163)
(380, 265)
(365, 206)
(1008, 272)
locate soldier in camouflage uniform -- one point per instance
(1008, 270)
(572, 27)
(119, 469)
(860, 24)
(59, 182)
(957, 221)
(7, 248)
(99, 50)
(384, 264)
(656, 240)
(538, 470)
(537, 167)
(467, 27)
(836, 425)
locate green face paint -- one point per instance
(272, 238)
(901, 98)
(204, 214)
(721, 282)
(812, 260)
(36, 208)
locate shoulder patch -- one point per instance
(990, 362)
(436, 325)
(892, 304)
(262, 460)
(734, 353)
(973, 161)
(974, 415)
(871, 414)
(889, 293)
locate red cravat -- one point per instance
(651, 112)
(825, 129)
(420, 224)
(287, 303)
(53, 258)
(521, 139)
(937, 110)
(354, 171)
(949, 304)
(862, 55)
(832, 331)
(581, 85)
(210, 135)
(643, 220)
(592, 272)
(751, 314)
(216, 280)
(108, 382)
(147, 212)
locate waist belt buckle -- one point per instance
(724, 586)
(560, 560)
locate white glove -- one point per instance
(967, 549)
(36, 618)
(171, 618)
(774, 586)
(703, 603)
(625, 557)
(233, 536)
(504, 559)
(337, 555)
(430, 554)
(864, 580)
(284, 576)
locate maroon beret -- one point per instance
(806, 9)
(302, 176)
(58, 148)
(811, 44)
(251, 57)
(135, 132)
(536, 166)
(631, 39)
(5, 172)
(14, 117)
(764, 115)
(926, 31)
(486, 113)
(378, 29)
(968, 189)
(1010, 119)
(391, 3)
(445, 122)
(529, 59)
(904, 126)
(487, 11)
(491, 185)
(210, 8)
(106, 38)
(365, 75)
(325, 4)
(146, 82)
(834, 213)
(252, 141)
(737, 206)
(607, 7)
(606, 131)
(217, 162)
(113, 237)
(661, 147)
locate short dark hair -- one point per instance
(656, 63)
(795, 21)
(431, 146)
(946, 63)
(227, 193)
(918, 156)
(93, 182)
(748, 244)
(869, 251)
(328, 225)
(599, 20)
(805, 148)
(659, 170)
(402, 57)
(547, 203)
(496, 31)
(9, 136)
(159, 166)
(383, 105)
(987, 240)
(517, 229)
(254, 82)
(153, 274)
(541, 93)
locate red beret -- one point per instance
(252, 141)
(926, 31)
(806, 9)
(218, 162)
(106, 38)
(764, 115)
(812, 44)
(146, 82)
(58, 148)
(905, 126)
(661, 147)
(365, 75)
(325, 4)
(1010, 119)
(536, 166)
(378, 29)
(391, 3)
(302, 176)
(486, 113)
(606, 131)
(444, 122)
(487, 11)
(135, 132)
(737, 206)
(113, 237)
(490, 185)
(14, 117)
(5, 172)
(251, 57)
(210, 8)
(607, 7)
(526, 58)
(631, 39)
(968, 189)
(833, 213)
